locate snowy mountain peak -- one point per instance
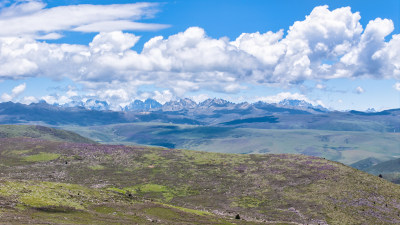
(295, 103)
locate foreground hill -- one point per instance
(41, 132)
(58, 182)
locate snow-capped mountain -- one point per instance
(96, 105)
(182, 104)
(91, 104)
(301, 104)
(147, 105)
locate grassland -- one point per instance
(343, 146)
(115, 184)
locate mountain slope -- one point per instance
(366, 163)
(386, 167)
(41, 132)
(276, 188)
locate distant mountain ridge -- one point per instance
(187, 104)
(216, 112)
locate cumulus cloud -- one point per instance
(359, 90)
(15, 92)
(190, 60)
(163, 97)
(6, 97)
(397, 86)
(18, 89)
(33, 18)
(320, 86)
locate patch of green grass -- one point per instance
(97, 167)
(152, 157)
(104, 209)
(163, 213)
(41, 157)
(48, 194)
(147, 188)
(153, 188)
(247, 202)
(192, 211)
(164, 193)
(117, 190)
(20, 152)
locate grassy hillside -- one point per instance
(41, 132)
(344, 146)
(53, 182)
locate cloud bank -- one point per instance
(327, 44)
(31, 18)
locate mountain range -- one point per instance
(185, 104)
(290, 114)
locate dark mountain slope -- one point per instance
(390, 170)
(387, 166)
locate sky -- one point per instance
(343, 55)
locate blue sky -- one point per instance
(342, 58)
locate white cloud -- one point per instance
(108, 26)
(57, 98)
(369, 56)
(163, 97)
(6, 97)
(71, 93)
(50, 99)
(114, 95)
(397, 86)
(328, 44)
(32, 17)
(115, 42)
(15, 92)
(359, 90)
(18, 89)
(320, 86)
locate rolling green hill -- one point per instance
(79, 183)
(41, 132)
